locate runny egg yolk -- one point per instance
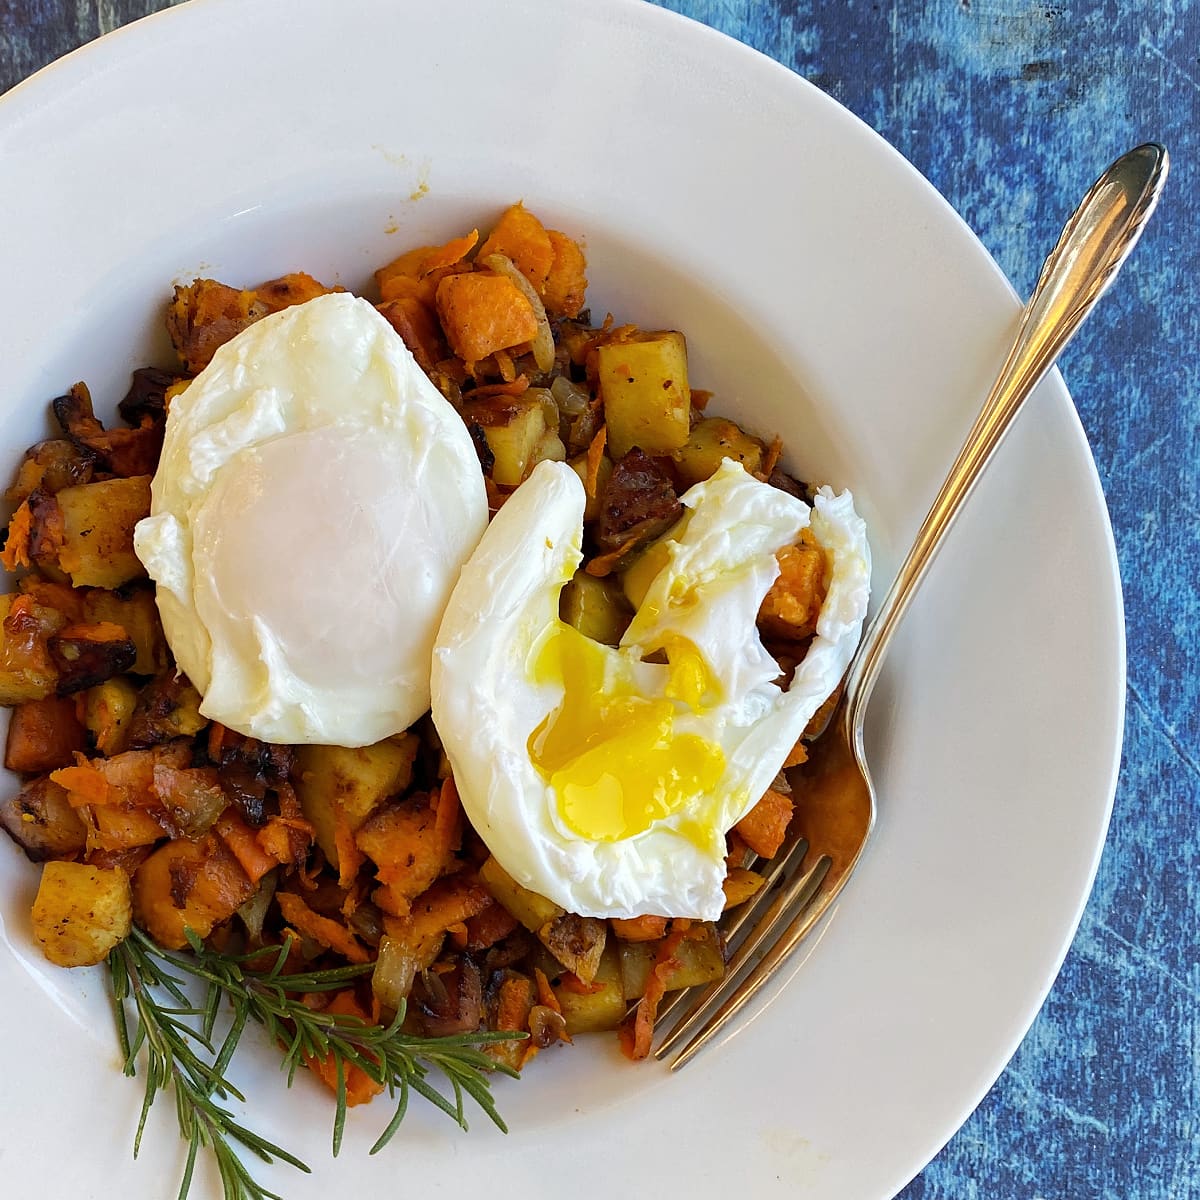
(612, 757)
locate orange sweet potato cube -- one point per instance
(521, 237)
(482, 313)
(566, 284)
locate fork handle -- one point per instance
(1093, 245)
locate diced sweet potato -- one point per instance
(294, 288)
(97, 533)
(205, 315)
(421, 265)
(483, 313)
(360, 1087)
(81, 912)
(791, 608)
(407, 847)
(188, 885)
(416, 324)
(41, 820)
(509, 1012)
(566, 284)
(740, 885)
(521, 237)
(324, 930)
(42, 735)
(764, 827)
(639, 929)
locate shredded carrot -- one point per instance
(639, 929)
(360, 1087)
(637, 1030)
(96, 631)
(517, 387)
(244, 845)
(321, 929)
(84, 784)
(571, 982)
(606, 564)
(349, 856)
(20, 529)
(595, 455)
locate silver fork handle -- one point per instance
(1093, 245)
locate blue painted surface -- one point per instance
(1010, 108)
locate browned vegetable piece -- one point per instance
(597, 1006)
(81, 912)
(147, 395)
(711, 441)
(188, 885)
(417, 326)
(449, 1002)
(297, 287)
(521, 237)
(513, 427)
(577, 942)
(49, 467)
(35, 534)
(791, 608)
(134, 609)
(42, 822)
(205, 315)
(168, 707)
(42, 735)
(637, 505)
(97, 531)
(566, 283)
(122, 452)
(191, 798)
(107, 710)
(88, 654)
(482, 313)
(249, 769)
(27, 670)
(764, 827)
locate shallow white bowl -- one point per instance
(828, 294)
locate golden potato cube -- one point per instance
(532, 910)
(137, 614)
(81, 912)
(596, 607)
(647, 401)
(514, 432)
(27, 671)
(597, 1011)
(345, 786)
(711, 441)
(641, 573)
(107, 710)
(98, 521)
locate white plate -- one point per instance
(828, 293)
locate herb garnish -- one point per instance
(177, 1035)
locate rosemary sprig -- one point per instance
(177, 1035)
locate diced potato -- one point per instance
(98, 521)
(43, 735)
(712, 440)
(87, 655)
(27, 669)
(639, 575)
(168, 707)
(647, 401)
(514, 431)
(108, 709)
(532, 910)
(699, 960)
(41, 820)
(549, 449)
(136, 613)
(188, 885)
(596, 607)
(579, 464)
(81, 912)
(599, 1010)
(340, 786)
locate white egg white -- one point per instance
(315, 500)
(487, 702)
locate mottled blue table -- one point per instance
(1010, 107)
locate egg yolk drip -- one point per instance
(612, 756)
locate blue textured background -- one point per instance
(1011, 108)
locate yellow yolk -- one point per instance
(612, 757)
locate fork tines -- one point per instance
(787, 896)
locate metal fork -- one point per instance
(835, 797)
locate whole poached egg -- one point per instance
(599, 779)
(315, 501)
